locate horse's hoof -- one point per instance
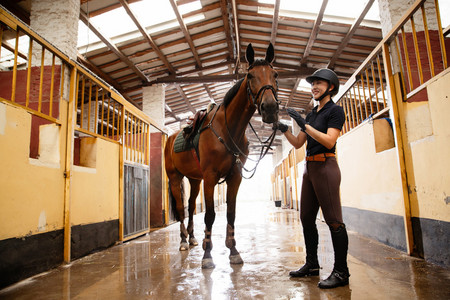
(236, 259)
(207, 263)
(184, 246)
(193, 241)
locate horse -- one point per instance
(221, 152)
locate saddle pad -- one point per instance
(182, 145)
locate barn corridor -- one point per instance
(271, 244)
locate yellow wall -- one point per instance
(95, 191)
(31, 190)
(429, 138)
(370, 180)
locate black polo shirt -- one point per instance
(330, 116)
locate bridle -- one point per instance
(265, 146)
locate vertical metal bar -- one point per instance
(441, 34)
(89, 106)
(402, 71)
(77, 95)
(103, 113)
(380, 75)
(83, 86)
(353, 100)
(52, 84)
(427, 40)
(364, 95)
(416, 49)
(107, 116)
(30, 55)
(133, 138)
(408, 66)
(358, 102)
(63, 65)
(126, 135)
(96, 110)
(375, 85)
(141, 141)
(14, 78)
(344, 105)
(138, 148)
(147, 150)
(113, 118)
(349, 101)
(41, 79)
(119, 123)
(368, 90)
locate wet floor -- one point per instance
(271, 244)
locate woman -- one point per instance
(322, 177)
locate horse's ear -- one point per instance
(250, 54)
(270, 53)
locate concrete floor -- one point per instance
(271, 244)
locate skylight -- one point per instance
(343, 10)
(153, 17)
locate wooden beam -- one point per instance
(276, 12)
(314, 33)
(112, 47)
(350, 34)
(236, 34)
(186, 100)
(301, 72)
(186, 33)
(147, 37)
(227, 28)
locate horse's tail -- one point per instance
(173, 201)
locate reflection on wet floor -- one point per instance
(271, 244)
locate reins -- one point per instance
(264, 146)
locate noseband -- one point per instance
(262, 90)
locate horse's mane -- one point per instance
(232, 92)
(235, 88)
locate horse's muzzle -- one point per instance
(269, 111)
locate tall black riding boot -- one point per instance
(311, 267)
(339, 276)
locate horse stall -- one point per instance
(75, 153)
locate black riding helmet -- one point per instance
(327, 75)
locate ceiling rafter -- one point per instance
(350, 34)
(311, 41)
(236, 34)
(302, 71)
(185, 98)
(226, 25)
(188, 38)
(314, 32)
(147, 37)
(276, 12)
(113, 47)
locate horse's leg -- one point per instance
(177, 193)
(208, 186)
(195, 188)
(233, 182)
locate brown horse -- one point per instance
(222, 151)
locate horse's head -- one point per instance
(262, 84)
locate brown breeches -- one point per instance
(320, 188)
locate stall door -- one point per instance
(136, 199)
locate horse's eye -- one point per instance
(249, 76)
(275, 75)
